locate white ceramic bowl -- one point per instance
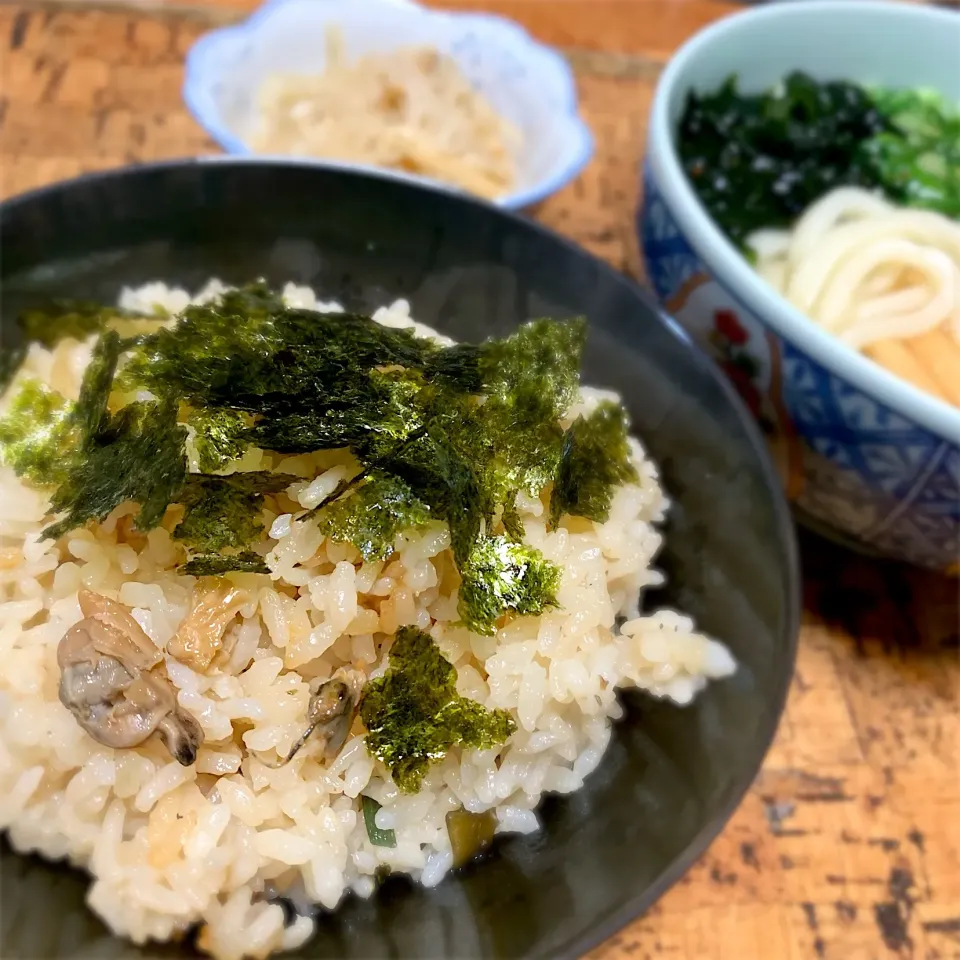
(865, 456)
(526, 82)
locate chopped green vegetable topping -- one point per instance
(224, 512)
(372, 412)
(138, 455)
(595, 459)
(213, 565)
(249, 352)
(500, 575)
(371, 516)
(759, 160)
(378, 837)
(221, 436)
(919, 163)
(414, 715)
(544, 352)
(37, 434)
(90, 411)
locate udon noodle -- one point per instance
(885, 280)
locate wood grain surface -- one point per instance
(848, 844)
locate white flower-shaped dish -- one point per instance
(526, 82)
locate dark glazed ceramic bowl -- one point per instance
(671, 777)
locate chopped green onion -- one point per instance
(378, 837)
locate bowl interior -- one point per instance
(671, 776)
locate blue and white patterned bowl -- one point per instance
(865, 456)
(526, 82)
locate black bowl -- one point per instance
(672, 777)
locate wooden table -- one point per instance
(848, 845)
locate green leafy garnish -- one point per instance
(501, 575)
(919, 160)
(371, 516)
(414, 715)
(90, 411)
(221, 436)
(371, 412)
(533, 378)
(223, 513)
(378, 837)
(137, 455)
(37, 434)
(216, 564)
(544, 352)
(247, 351)
(759, 160)
(594, 461)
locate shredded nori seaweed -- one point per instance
(759, 160)
(139, 455)
(501, 575)
(223, 513)
(214, 565)
(414, 715)
(594, 461)
(371, 516)
(220, 436)
(38, 436)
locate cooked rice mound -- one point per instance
(170, 846)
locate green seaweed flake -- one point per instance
(501, 576)
(414, 715)
(90, 411)
(371, 413)
(371, 516)
(37, 434)
(533, 377)
(220, 436)
(139, 455)
(223, 513)
(594, 461)
(443, 477)
(248, 351)
(545, 352)
(217, 564)
(919, 159)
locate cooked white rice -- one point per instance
(171, 846)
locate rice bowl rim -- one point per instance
(721, 257)
(638, 903)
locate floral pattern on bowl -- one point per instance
(852, 466)
(526, 82)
